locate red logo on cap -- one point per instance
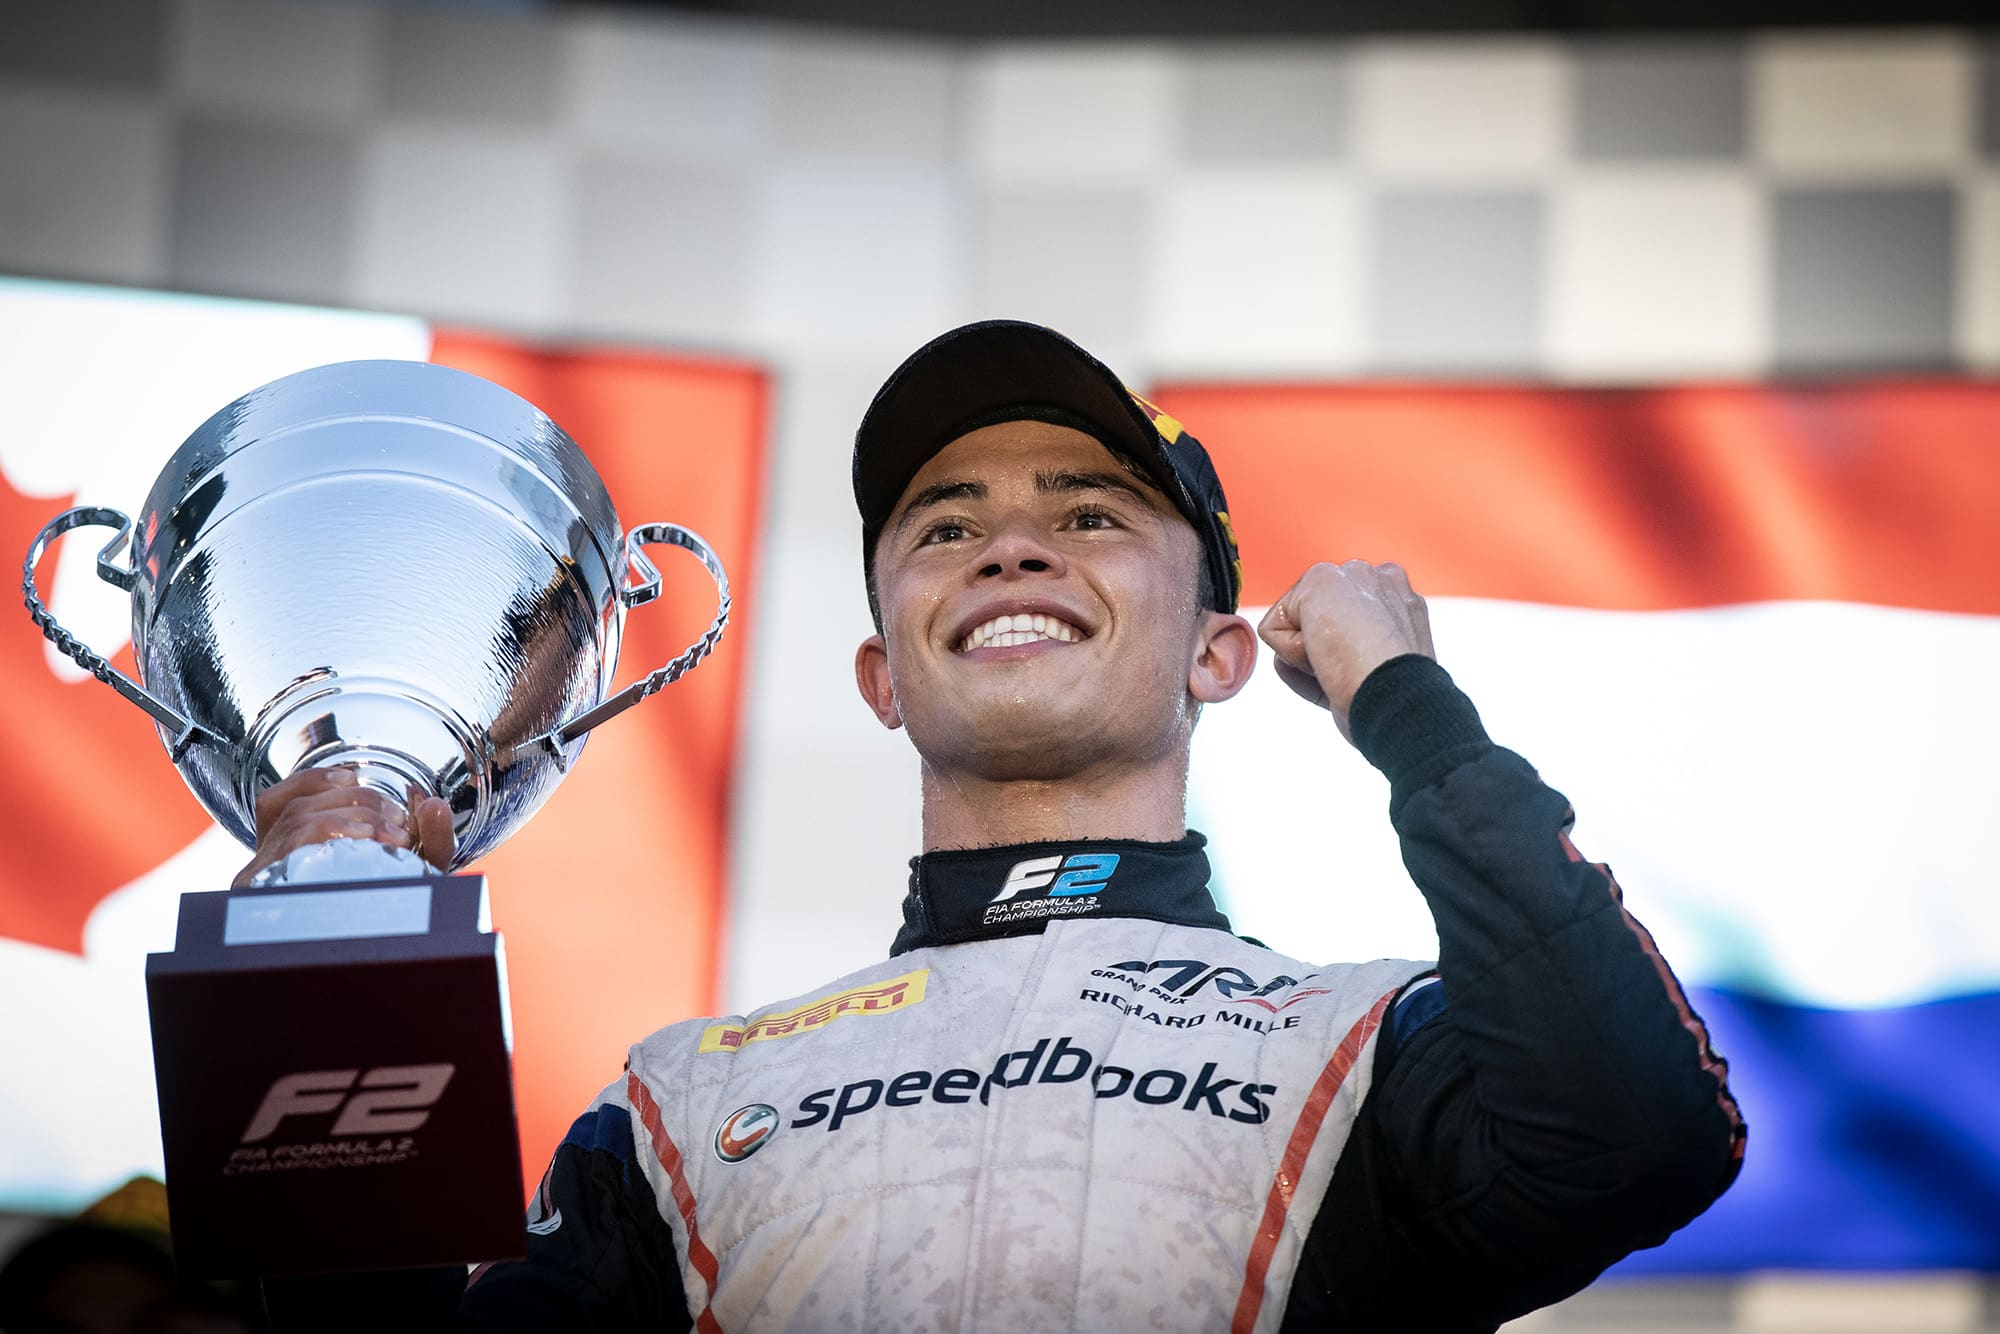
(1169, 428)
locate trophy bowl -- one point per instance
(392, 565)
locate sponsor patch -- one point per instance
(1059, 886)
(1173, 981)
(1050, 1061)
(1156, 986)
(877, 998)
(1140, 1010)
(744, 1131)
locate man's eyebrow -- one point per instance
(938, 495)
(1047, 482)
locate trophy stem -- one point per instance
(343, 859)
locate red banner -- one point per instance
(1632, 499)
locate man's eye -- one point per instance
(1092, 519)
(943, 532)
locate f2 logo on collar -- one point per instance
(1082, 872)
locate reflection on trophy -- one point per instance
(408, 570)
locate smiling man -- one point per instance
(1071, 1097)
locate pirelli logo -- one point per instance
(880, 998)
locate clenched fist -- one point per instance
(1337, 624)
(320, 805)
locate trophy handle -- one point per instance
(182, 730)
(638, 594)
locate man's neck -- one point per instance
(964, 810)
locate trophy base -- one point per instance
(335, 1078)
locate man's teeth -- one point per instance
(1021, 628)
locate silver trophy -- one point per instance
(386, 564)
(409, 570)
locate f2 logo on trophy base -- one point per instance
(393, 1099)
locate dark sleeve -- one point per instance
(1560, 1108)
(599, 1257)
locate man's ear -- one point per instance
(1225, 653)
(871, 673)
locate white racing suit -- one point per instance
(1070, 1099)
(1114, 1124)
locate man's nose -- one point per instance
(1018, 548)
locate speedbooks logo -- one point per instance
(1049, 1061)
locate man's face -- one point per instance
(1039, 612)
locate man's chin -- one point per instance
(1014, 740)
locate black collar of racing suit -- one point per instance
(1018, 889)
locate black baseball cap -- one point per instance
(1008, 370)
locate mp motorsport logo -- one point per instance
(1062, 886)
(744, 1131)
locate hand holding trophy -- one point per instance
(369, 597)
(324, 804)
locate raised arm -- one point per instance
(1553, 1102)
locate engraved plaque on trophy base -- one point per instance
(335, 1078)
